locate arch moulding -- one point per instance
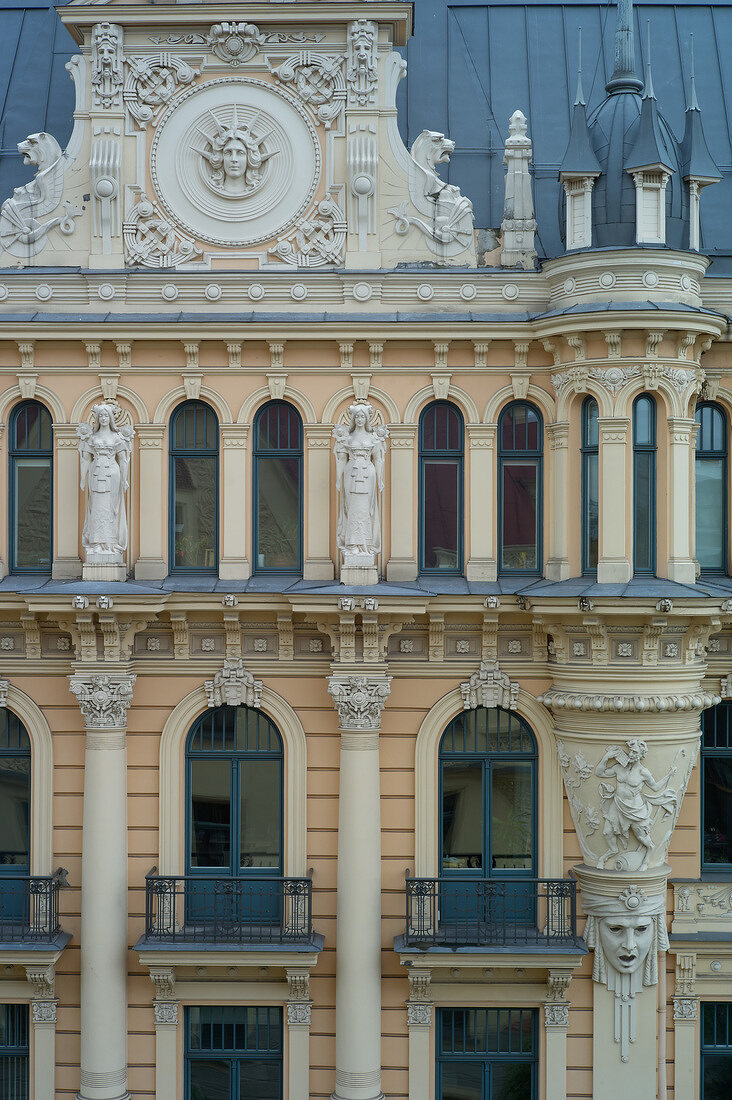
(261, 396)
(347, 394)
(178, 395)
(426, 780)
(426, 395)
(41, 826)
(42, 394)
(95, 395)
(172, 781)
(535, 395)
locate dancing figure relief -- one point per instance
(628, 810)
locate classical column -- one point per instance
(299, 1007)
(66, 562)
(359, 701)
(152, 563)
(165, 1007)
(318, 564)
(557, 566)
(614, 566)
(681, 566)
(43, 1017)
(104, 700)
(233, 563)
(556, 1019)
(482, 564)
(419, 1022)
(402, 564)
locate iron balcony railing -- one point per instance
(29, 909)
(206, 909)
(461, 912)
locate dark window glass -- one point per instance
(590, 485)
(716, 1050)
(278, 488)
(519, 488)
(644, 485)
(14, 1052)
(711, 488)
(716, 776)
(31, 488)
(487, 1053)
(15, 774)
(194, 507)
(441, 442)
(233, 1052)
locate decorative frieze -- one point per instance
(233, 686)
(103, 700)
(702, 908)
(359, 700)
(490, 687)
(558, 701)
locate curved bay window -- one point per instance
(711, 488)
(441, 444)
(716, 788)
(31, 492)
(194, 488)
(520, 432)
(590, 484)
(15, 779)
(644, 485)
(278, 489)
(234, 798)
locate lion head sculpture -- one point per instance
(40, 149)
(432, 148)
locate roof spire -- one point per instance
(579, 99)
(693, 101)
(648, 92)
(697, 162)
(624, 78)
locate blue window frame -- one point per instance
(644, 486)
(520, 450)
(278, 489)
(31, 489)
(711, 488)
(233, 1052)
(194, 489)
(716, 783)
(590, 485)
(15, 780)
(716, 1050)
(14, 1052)
(441, 449)
(487, 1054)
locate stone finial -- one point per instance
(518, 226)
(359, 700)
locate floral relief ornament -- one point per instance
(359, 700)
(103, 700)
(235, 43)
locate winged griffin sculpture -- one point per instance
(22, 233)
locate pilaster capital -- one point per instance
(65, 437)
(419, 1014)
(298, 1013)
(44, 1012)
(402, 436)
(556, 1014)
(558, 435)
(318, 436)
(680, 429)
(166, 1013)
(150, 436)
(685, 1008)
(482, 436)
(103, 700)
(359, 700)
(613, 429)
(234, 436)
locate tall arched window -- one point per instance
(278, 489)
(711, 488)
(644, 485)
(194, 488)
(716, 784)
(234, 798)
(441, 443)
(520, 432)
(590, 484)
(15, 805)
(31, 489)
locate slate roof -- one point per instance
(471, 65)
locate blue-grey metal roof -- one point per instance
(471, 65)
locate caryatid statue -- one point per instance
(360, 452)
(104, 452)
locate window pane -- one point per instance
(32, 518)
(260, 813)
(510, 1080)
(591, 505)
(643, 426)
(15, 811)
(462, 1081)
(259, 1080)
(511, 816)
(643, 517)
(519, 550)
(441, 490)
(591, 424)
(717, 809)
(210, 1080)
(195, 512)
(710, 550)
(278, 513)
(210, 813)
(462, 815)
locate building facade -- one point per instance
(365, 612)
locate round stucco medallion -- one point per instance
(298, 293)
(256, 292)
(170, 292)
(235, 161)
(362, 292)
(44, 292)
(650, 278)
(569, 285)
(510, 292)
(213, 292)
(3, 293)
(468, 292)
(607, 279)
(105, 292)
(425, 292)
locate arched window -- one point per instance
(711, 488)
(31, 489)
(590, 484)
(716, 784)
(234, 798)
(194, 488)
(520, 432)
(441, 442)
(15, 805)
(644, 485)
(278, 489)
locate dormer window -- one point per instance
(650, 205)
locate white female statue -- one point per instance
(360, 451)
(104, 451)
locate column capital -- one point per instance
(318, 435)
(44, 1012)
(419, 1014)
(150, 435)
(614, 429)
(359, 700)
(103, 700)
(558, 434)
(402, 436)
(685, 1008)
(556, 1014)
(298, 1013)
(166, 1013)
(680, 429)
(482, 436)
